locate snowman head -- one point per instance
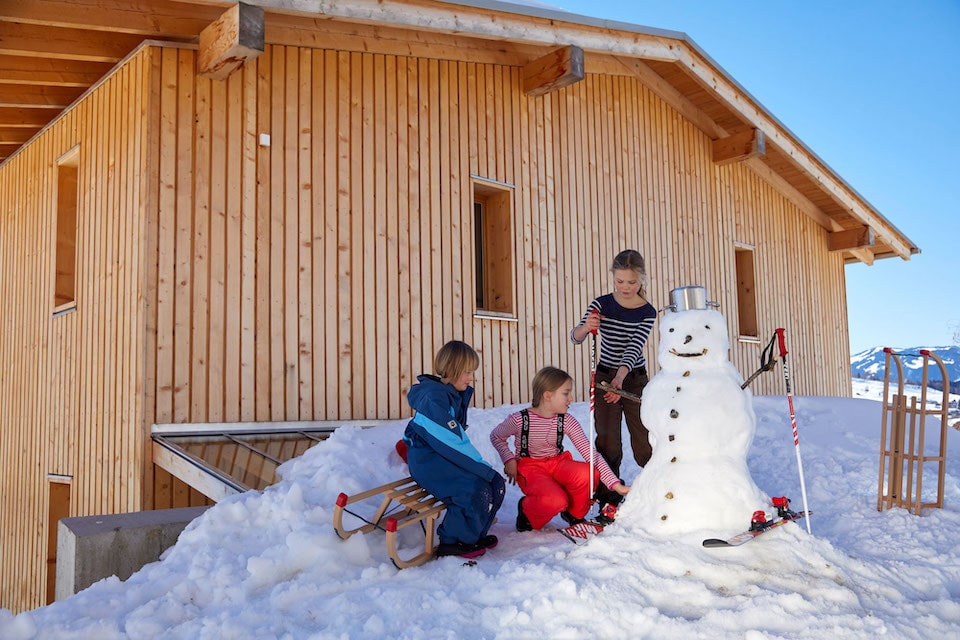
(693, 340)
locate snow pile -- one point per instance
(269, 565)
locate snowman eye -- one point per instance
(671, 329)
(707, 327)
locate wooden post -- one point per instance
(230, 41)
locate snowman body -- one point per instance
(701, 427)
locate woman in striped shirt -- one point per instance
(551, 480)
(624, 319)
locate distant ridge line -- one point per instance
(869, 365)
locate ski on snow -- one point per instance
(759, 525)
(585, 529)
(581, 532)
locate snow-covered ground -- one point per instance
(269, 565)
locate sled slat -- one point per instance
(419, 506)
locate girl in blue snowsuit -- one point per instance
(442, 459)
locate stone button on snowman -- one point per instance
(701, 426)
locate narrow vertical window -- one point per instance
(57, 509)
(746, 292)
(478, 255)
(493, 247)
(64, 292)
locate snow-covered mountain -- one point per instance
(869, 365)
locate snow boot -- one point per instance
(607, 503)
(607, 515)
(488, 542)
(461, 549)
(759, 521)
(466, 550)
(523, 522)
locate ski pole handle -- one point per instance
(596, 313)
(783, 344)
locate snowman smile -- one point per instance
(688, 355)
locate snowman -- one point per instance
(701, 426)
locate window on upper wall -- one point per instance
(746, 292)
(65, 285)
(493, 248)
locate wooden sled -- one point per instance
(414, 505)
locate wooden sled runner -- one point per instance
(414, 505)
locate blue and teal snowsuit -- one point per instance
(444, 462)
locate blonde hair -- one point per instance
(547, 379)
(632, 260)
(454, 359)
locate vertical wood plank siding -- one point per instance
(363, 249)
(223, 280)
(71, 385)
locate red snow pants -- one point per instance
(552, 485)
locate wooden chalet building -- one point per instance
(278, 211)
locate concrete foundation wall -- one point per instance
(92, 548)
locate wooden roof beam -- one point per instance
(465, 20)
(739, 147)
(160, 19)
(694, 114)
(859, 238)
(556, 70)
(792, 194)
(38, 97)
(671, 96)
(7, 149)
(230, 41)
(733, 96)
(18, 117)
(67, 44)
(866, 256)
(15, 136)
(53, 73)
(805, 205)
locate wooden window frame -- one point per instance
(493, 249)
(67, 201)
(746, 274)
(59, 489)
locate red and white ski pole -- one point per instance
(793, 423)
(593, 390)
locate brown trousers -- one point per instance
(608, 419)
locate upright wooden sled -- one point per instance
(414, 505)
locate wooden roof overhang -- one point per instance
(53, 51)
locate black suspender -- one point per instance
(525, 433)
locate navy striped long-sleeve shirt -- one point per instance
(623, 332)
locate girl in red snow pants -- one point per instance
(551, 480)
(553, 485)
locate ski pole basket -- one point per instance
(903, 438)
(403, 503)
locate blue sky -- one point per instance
(873, 88)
